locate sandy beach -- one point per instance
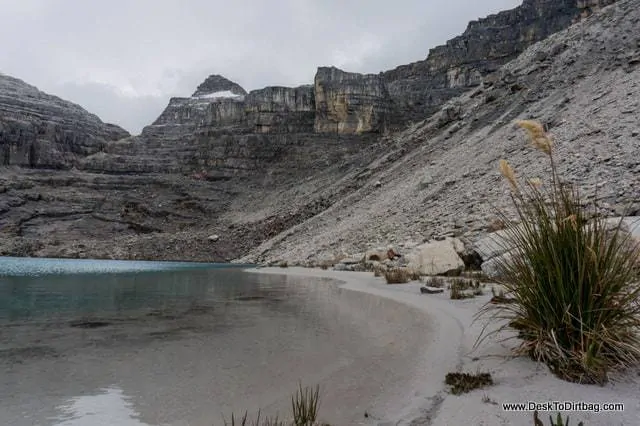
(517, 380)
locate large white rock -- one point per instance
(436, 257)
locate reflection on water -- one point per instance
(184, 346)
(109, 407)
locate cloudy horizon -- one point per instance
(123, 59)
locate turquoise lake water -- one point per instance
(87, 342)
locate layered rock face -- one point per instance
(299, 173)
(216, 102)
(349, 103)
(40, 130)
(420, 88)
(341, 102)
(281, 110)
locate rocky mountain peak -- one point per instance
(216, 83)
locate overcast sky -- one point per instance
(124, 59)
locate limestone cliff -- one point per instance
(281, 109)
(40, 130)
(304, 172)
(349, 103)
(420, 88)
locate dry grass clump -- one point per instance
(477, 276)
(284, 264)
(304, 407)
(397, 276)
(414, 275)
(461, 288)
(572, 279)
(465, 382)
(436, 282)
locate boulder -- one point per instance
(213, 238)
(492, 245)
(380, 254)
(437, 257)
(491, 267)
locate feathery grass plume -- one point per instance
(539, 138)
(571, 280)
(507, 171)
(535, 182)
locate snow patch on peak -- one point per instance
(225, 94)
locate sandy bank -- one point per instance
(451, 349)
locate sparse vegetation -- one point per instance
(378, 271)
(557, 422)
(487, 400)
(465, 382)
(414, 275)
(477, 276)
(436, 282)
(461, 288)
(572, 279)
(304, 406)
(397, 276)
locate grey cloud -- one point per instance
(123, 59)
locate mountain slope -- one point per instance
(307, 172)
(440, 176)
(40, 130)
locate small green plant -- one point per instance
(571, 279)
(464, 382)
(557, 422)
(397, 276)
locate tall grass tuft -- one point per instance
(305, 406)
(572, 278)
(397, 276)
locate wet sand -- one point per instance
(425, 400)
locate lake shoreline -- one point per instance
(451, 349)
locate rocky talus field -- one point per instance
(345, 164)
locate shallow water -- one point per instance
(185, 344)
